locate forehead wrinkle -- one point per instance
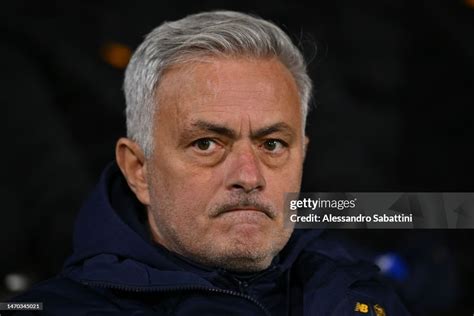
(220, 83)
(250, 123)
(254, 100)
(227, 87)
(214, 90)
(236, 98)
(214, 82)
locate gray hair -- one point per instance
(218, 33)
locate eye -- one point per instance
(274, 145)
(205, 144)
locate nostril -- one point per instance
(237, 186)
(246, 188)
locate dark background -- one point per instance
(392, 111)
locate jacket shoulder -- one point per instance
(347, 286)
(376, 296)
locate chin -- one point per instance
(246, 254)
(245, 262)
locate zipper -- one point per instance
(179, 288)
(242, 286)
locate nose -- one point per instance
(243, 171)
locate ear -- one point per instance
(131, 161)
(305, 146)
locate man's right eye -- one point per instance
(205, 144)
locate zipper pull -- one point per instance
(243, 286)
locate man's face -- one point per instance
(228, 145)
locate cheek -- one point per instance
(282, 181)
(279, 185)
(183, 186)
(179, 205)
(175, 175)
(290, 175)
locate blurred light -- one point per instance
(392, 265)
(16, 282)
(116, 54)
(469, 3)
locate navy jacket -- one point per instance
(117, 270)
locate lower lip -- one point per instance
(247, 216)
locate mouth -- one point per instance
(246, 209)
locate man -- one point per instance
(191, 219)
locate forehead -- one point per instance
(255, 87)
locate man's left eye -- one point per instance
(273, 145)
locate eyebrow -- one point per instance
(274, 128)
(215, 128)
(260, 133)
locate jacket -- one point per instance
(116, 269)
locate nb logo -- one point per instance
(361, 308)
